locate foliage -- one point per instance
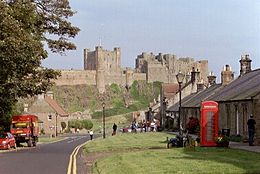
(25, 26)
(193, 125)
(63, 125)
(87, 124)
(236, 138)
(42, 132)
(222, 141)
(115, 88)
(80, 124)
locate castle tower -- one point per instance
(245, 64)
(129, 77)
(85, 58)
(118, 59)
(100, 75)
(211, 79)
(226, 75)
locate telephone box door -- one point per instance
(209, 123)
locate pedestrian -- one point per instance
(114, 129)
(251, 130)
(91, 134)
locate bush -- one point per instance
(42, 131)
(87, 124)
(193, 125)
(63, 125)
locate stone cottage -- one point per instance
(49, 112)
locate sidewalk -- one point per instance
(244, 146)
(232, 145)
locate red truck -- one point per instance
(25, 129)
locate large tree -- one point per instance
(25, 27)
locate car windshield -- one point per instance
(20, 125)
(3, 135)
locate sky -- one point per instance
(219, 31)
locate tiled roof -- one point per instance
(170, 89)
(56, 106)
(242, 88)
(194, 100)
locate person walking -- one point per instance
(91, 134)
(114, 129)
(251, 130)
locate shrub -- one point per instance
(63, 125)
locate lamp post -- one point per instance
(180, 77)
(104, 129)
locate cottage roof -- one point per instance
(170, 89)
(56, 106)
(242, 88)
(195, 99)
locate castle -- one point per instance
(103, 67)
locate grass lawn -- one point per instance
(49, 140)
(147, 153)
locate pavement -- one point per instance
(244, 146)
(233, 145)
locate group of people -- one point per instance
(153, 126)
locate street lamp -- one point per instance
(180, 77)
(104, 129)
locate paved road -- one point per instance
(50, 158)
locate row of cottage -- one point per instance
(237, 99)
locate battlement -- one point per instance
(103, 67)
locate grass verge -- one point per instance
(49, 140)
(147, 153)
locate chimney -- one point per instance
(211, 79)
(49, 94)
(245, 64)
(188, 77)
(200, 86)
(194, 75)
(226, 75)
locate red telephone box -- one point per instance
(209, 123)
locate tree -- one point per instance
(25, 27)
(87, 124)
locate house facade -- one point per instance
(49, 113)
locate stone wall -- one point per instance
(256, 111)
(76, 77)
(103, 67)
(234, 116)
(163, 68)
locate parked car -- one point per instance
(7, 141)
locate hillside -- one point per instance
(116, 98)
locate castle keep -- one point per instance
(103, 67)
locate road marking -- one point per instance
(75, 139)
(73, 159)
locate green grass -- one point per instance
(120, 120)
(49, 140)
(147, 153)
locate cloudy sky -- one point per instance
(217, 30)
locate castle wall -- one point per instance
(157, 72)
(76, 77)
(139, 76)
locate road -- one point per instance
(53, 158)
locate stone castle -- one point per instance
(103, 67)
